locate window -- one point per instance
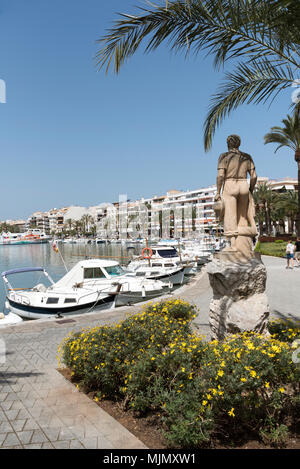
(115, 270)
(93, 272)
(168, 253)
(51, 301)
(70, 300)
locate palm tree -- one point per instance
(262, 37)
(288, 201)
(289, 136)
(86, 220)
(264, 200)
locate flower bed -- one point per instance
(154, 362)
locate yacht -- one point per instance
(33, 236)
(167, 272)
(166, 257)
(91, 285)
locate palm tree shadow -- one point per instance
(288, 318)
(10, 377)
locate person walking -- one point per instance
(297, 253)
(290, 250)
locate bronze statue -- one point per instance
(235, 206)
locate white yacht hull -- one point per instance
(31, 312)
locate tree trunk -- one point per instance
(297, 159)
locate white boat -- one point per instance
(69, 241)
(33, 236)
(200, 249)
(168, 254)
(167, 272)
(165, 261)
(91, 285)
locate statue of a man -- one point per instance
(233, 169)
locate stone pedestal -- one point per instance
(239, 300)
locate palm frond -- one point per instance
(227, 29)
(286, 136)
(256, 83)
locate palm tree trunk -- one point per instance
(297, 158)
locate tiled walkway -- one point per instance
(39, 408)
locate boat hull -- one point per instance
(128, 298)
(32, 312)
(175, 279)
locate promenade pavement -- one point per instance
(39, 408)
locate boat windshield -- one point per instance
(167, 253)
(115, 270)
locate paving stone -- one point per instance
(33, 446)
(5, 426)
(21, 414)
(11, 440)
(25, 436)
(52, 433)
(7, 405)
(47, 446)
(61, 444)
(31, 425)
(2, 438)
(39, 437)
(75, 444)
(18, 425)
(11, 414)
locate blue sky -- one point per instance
(72, 135)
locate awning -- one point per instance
(19, 271)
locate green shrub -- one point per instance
(271, 249)
(199, 390)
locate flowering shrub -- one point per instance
(199, 390)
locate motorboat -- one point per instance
(91, 285)
(109, 277)
(167, 272)
(168, 254)
(165, 258)
(61, 298)
(32, 236)
(200, 249)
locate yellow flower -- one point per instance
(267, 385)
(204, 402)
(282, 390)
(243, 380)
(231, 413)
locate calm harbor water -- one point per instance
(43, 255)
